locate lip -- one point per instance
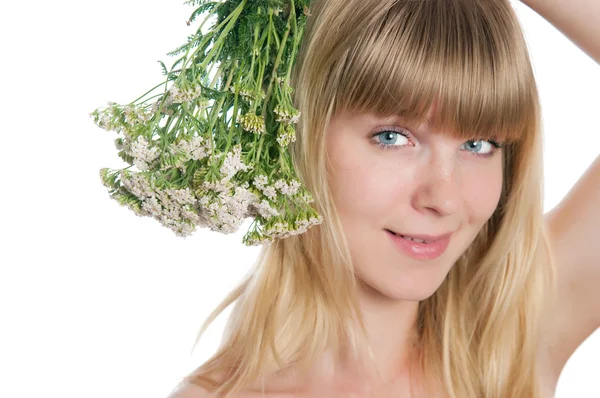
(421, 251)
(428, 238)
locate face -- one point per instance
(388, 175)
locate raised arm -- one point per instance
(578, 20)
(574, 224)
(574, 227)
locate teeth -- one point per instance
(414, 239)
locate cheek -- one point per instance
(362, 192)
(365, 184)
(482, 193)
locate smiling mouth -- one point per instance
(421, 239)
(411, 239)
(421, 249)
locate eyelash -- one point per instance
(495, 144)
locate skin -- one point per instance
(418, 205)
(574, 224)
(429, 183)
(433, 184)
(432, 189)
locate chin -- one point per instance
(407, 290)
(414, 293)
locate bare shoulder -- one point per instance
(195, 391)
(281, 384)
(190, 391)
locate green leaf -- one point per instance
(194, 2)
(204, 7)
(179, 50)
(164, 68)
(126, 157)
(176, 63)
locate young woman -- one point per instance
(435, 272)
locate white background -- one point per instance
(96, 302)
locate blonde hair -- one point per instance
(478, 332)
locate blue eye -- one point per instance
(475, 147)
(390, 139)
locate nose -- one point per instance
(438, 187)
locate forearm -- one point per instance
(578, 20)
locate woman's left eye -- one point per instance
(386, 138)
(484, 148)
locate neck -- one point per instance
(391, 332)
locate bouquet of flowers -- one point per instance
(211, 149)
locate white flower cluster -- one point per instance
(265, 210)
(164, 108)
(197, 148)
(231, 165)
(223, 211)
(178, 95)
(176, 209)
(144, 154)
(253, 123)
(286, 133)
(135, 115)
(261, 183)
(248, 93)
(282, 229)
(226, 205)
(227, 211)
(121, 143)
(304, 224)
(110, 118)
(308, 198)
(290, 189)
(137, 184)
(287, 115)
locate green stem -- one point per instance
(215, 110)
(283, 163)
(208, 36)
(277, 61)
(264, 61)
(147, 92)
(233, 117)
(297, 36)
(217, 76)
(216, 45)
(210, 14)
(149, 98)
(253, 49)
(165, 136)
(260, 144)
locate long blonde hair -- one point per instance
(479, 331)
